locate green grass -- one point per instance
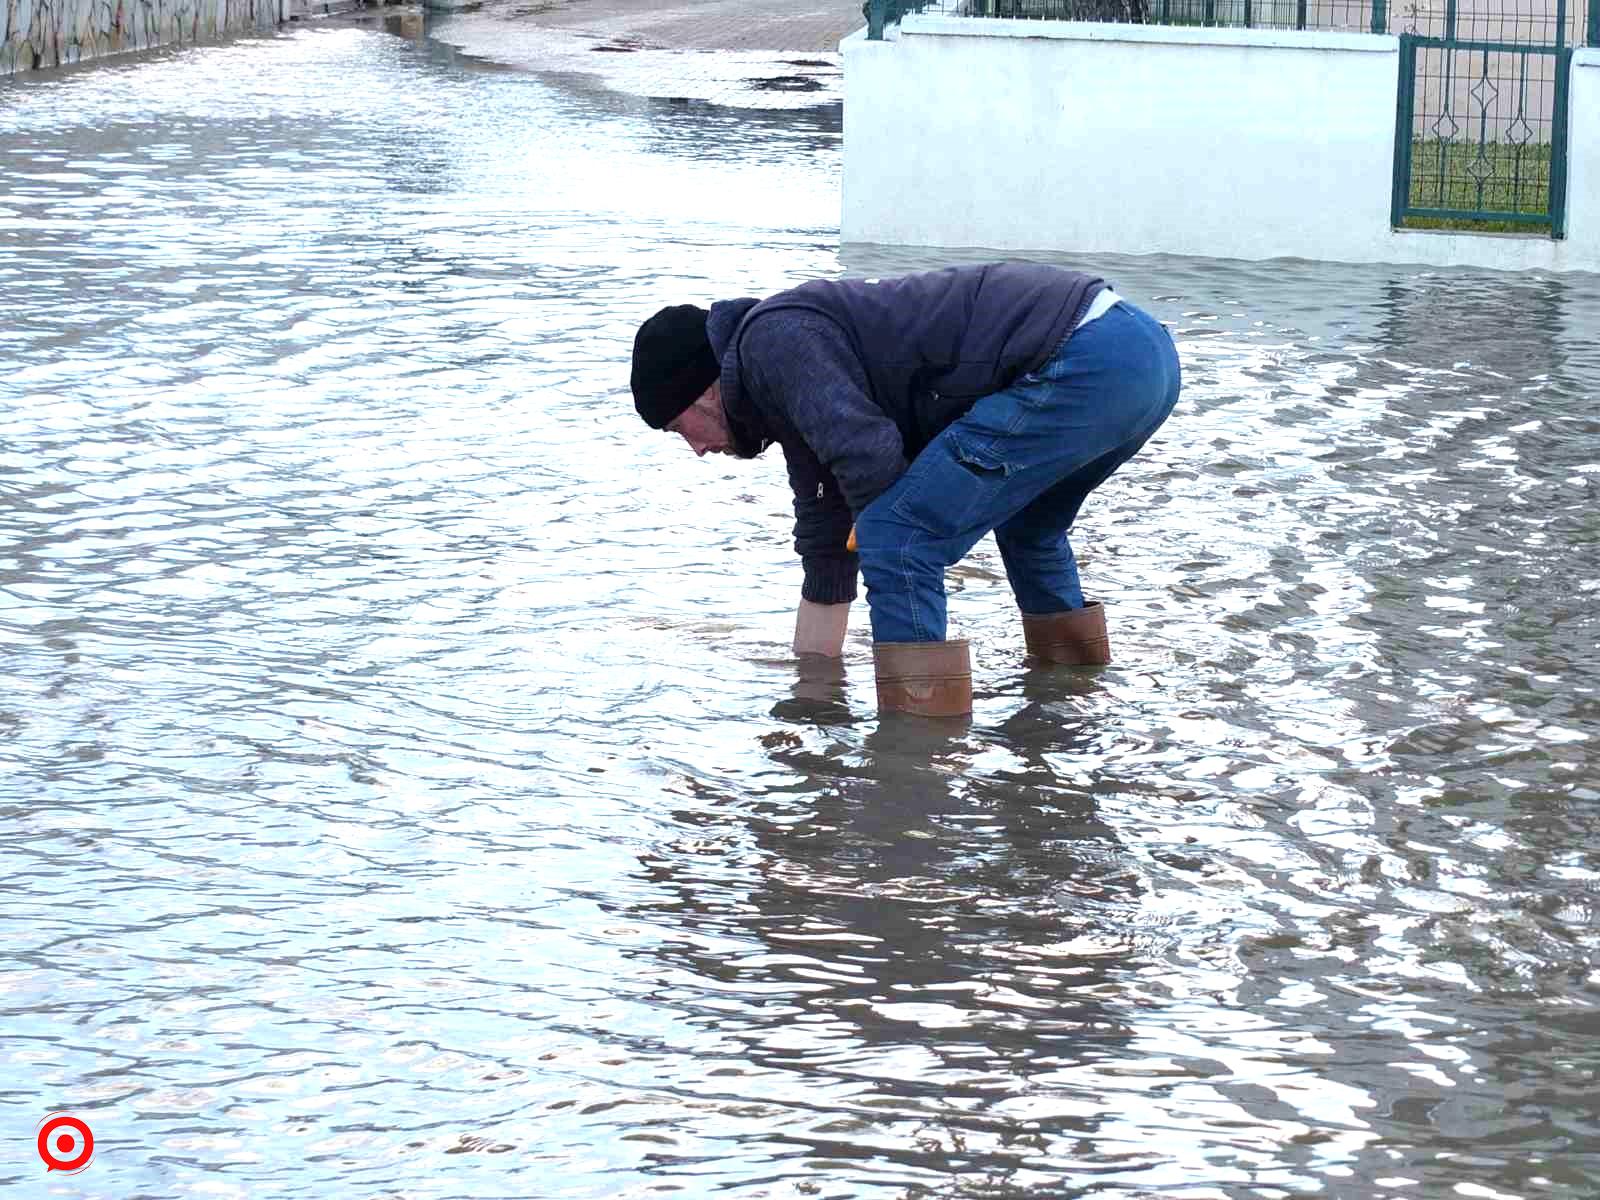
(1444, 174)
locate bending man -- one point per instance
(916, 415)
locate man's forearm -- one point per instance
(820, 628)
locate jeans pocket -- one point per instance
(953, 486)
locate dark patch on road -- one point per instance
(786, 83)
(622, 45)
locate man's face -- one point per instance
(704, 425)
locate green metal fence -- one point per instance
(1355, 16)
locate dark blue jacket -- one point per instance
(854, 377)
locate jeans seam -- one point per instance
(918, 627)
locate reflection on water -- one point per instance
(407, 790)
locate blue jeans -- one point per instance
(1020, 463)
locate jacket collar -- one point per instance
(750, 433)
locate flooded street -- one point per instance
(406, 789)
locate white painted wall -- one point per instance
(1583, 153)
(1228, 143)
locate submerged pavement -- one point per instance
(745, 53)
(408, 790)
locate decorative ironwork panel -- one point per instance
(1480, 133)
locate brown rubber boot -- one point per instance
(926, 679)
(1075, 638)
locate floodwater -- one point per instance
(407, 790)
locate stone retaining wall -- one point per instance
(48, 33)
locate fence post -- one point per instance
(1400, 199)
(1380, 16)
(1558, 140)
(875, 14)
(1594, 22)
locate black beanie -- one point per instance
(672, 363)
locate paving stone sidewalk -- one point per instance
(788, 25)
(745, 53)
